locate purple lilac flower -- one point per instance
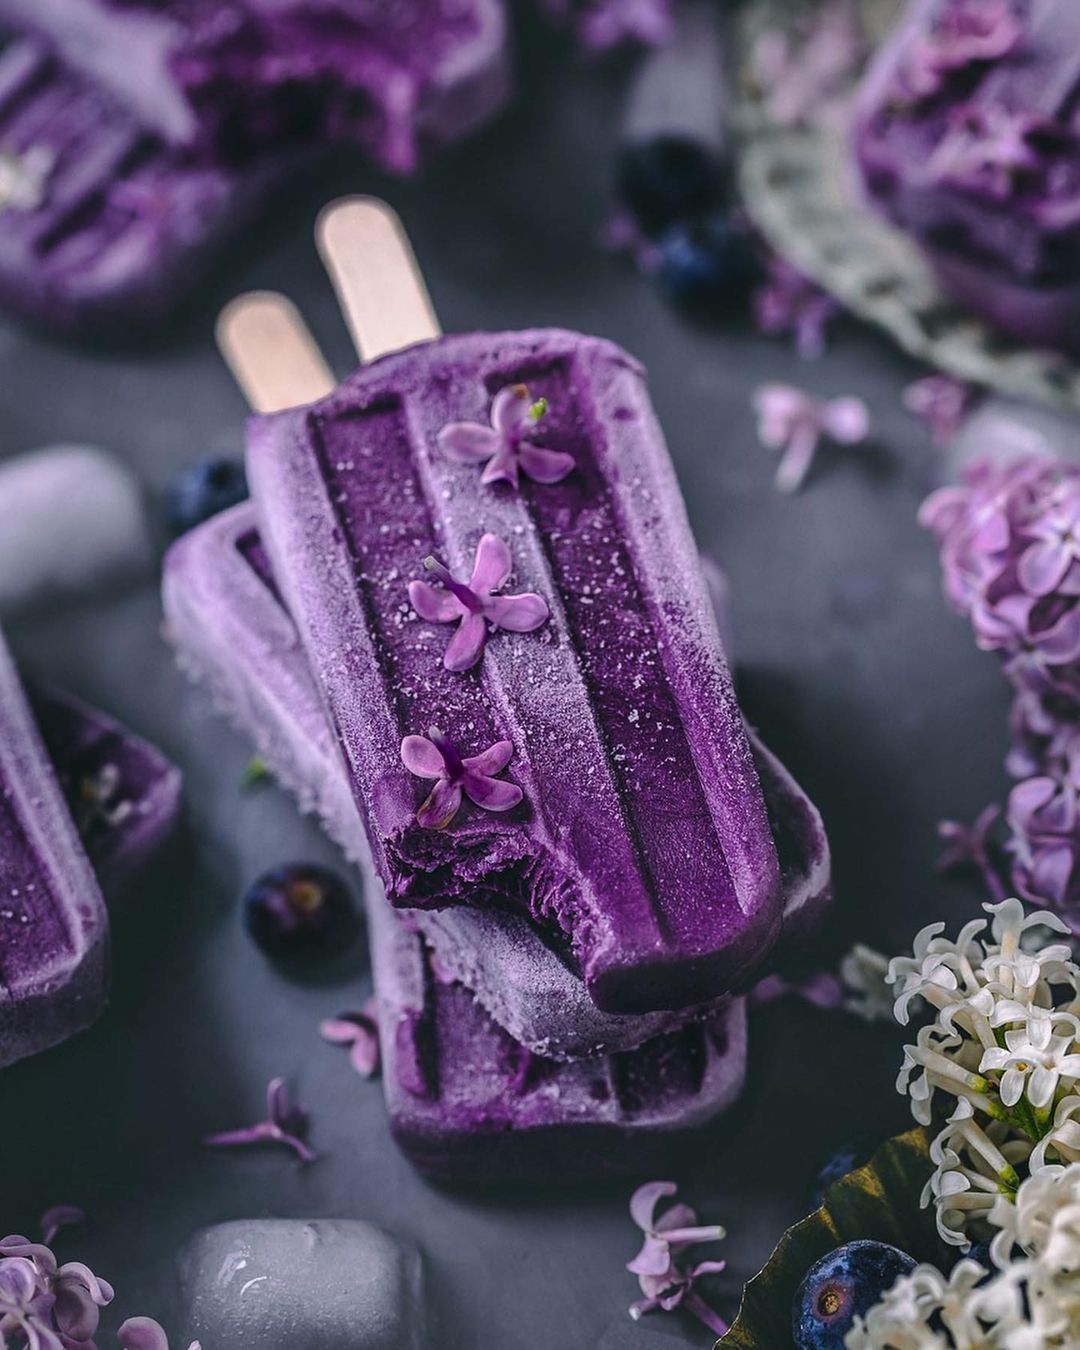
(47, 1306)
(284, 1124)
(605, 24)
(968, 31)
(942, 402)
(665, 1283)
(789, 302)
(435, 756)
(807, 74)
(472, 605)
(359, 1031)
(821, 989)
(794, 422)
(507, 444)
(1010, 564)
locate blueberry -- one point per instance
(202, 490)
(296, 907)
(851, 1154)
(707, 261)
(669, 178)
(844, 1284)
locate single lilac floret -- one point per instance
(359, 1031)
(472, 605)
(666, 1284)
(435, 756)
(794, 422)
(284, 1124)
(507, 444)
(805, 73)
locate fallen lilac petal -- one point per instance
(284, 1125)
(360, 1031)
(457, 777)
(822, 989)
(143, 1333)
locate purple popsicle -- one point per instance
(102, 228)
(231, 79)
(53, 927)
(230, 630)
(641, 845)
(967, 136)
(468, 1102)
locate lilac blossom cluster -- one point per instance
(1009, 536)
(48, 1306)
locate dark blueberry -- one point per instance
(708, 261)
(843, 1285)
(669, 178)
(296, 907)
(850, 1155)
(204, 489)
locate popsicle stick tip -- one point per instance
(376, 276)
(271, 353)
(351, 213)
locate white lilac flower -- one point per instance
(864, 973)
(973, 1166)
(1036, 1054)
(938, 971)
(926, 1310)
(936, 1061)
(1063, 1136)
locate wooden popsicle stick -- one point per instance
(271, 353)
(379, 284)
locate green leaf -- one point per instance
(879, 1201)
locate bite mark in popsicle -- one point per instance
(646, 851)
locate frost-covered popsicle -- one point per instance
(575, 750)
(227, 623)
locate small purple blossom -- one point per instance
(665, 1282)
(942, 402)
(472, 605)
(284, 1124)
(605, 24)
(507, 444)
(359, 1031)
(794, 422)
(435, 756)
(966, 32)
(806, 74)
(789, 302)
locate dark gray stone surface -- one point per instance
(850, 664)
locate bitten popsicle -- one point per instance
(612, 796)
(225, 619)
(468, 1102)
(53, 927)
(103, 229)
(229, 80)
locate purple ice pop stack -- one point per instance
(465, 622)
(136, 139)
(967, 136)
